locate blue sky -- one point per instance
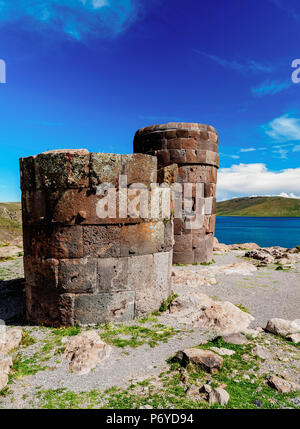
(89, 73)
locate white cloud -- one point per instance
(296, 148)
(283, 129)
(270, 87)
(76, 18)
(255, 179)
(249, 149)
(244, 67)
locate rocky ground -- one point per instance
(183, 356)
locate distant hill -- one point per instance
(10, 221)
(260, 207)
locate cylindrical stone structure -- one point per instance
(82, 269)
(186, 153)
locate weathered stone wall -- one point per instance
(186, 153)
(81, 269)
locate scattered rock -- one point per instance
(262, 255)
(85, 351)
(218, 396)
(220, 248)
(222, 351)
(282, 327)
(5, 365)
(254, 333)
(192, 391)
(295, 338)
(262, 352)
(205, 359)
(244, 246)
(285, 262)
(10, 338)
(199, 310)
(258, 403)
(206, 388)
(193, 278)
(281, 385)
(236, 338)
(146, 407)
(242, 268)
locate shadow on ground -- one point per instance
(12, 301)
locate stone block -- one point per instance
(53, 241)
(113, 274)
(78, 275)
(104, 307)
(139, 168)
(49, 308)
(163, 157)
(105, 168)
(178, 226)
(209, 190)
(168, 235)
(42, 273)
(183, 257)
(33, 206)
(150, 297)
(177, 156)
(71, 206)
(140, 272)
(142, 239)
(174, 143)
(27, 173)
(183, 243)
(204, 250)
(102, 241)
(62, 169)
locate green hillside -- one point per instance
(10, 221)
(260, 207)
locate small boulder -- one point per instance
(5, 365)
(85, 351)
(282, 327)
(219, 396)
(222, 351)
(281, 385)
(262, 352)
(206, 388)
(219, 248)
(10, 338)
(295, 338)
(238, 339)
(241, 268)
(244, 246)
(205, 359)
(192, 392)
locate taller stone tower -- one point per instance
(186, 153)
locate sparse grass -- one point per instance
(27, 339)
(169, 391)
(23, 366)
(166, 304)
(133, 336)
(208, 263)
(241, 307)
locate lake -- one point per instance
(265, 231)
